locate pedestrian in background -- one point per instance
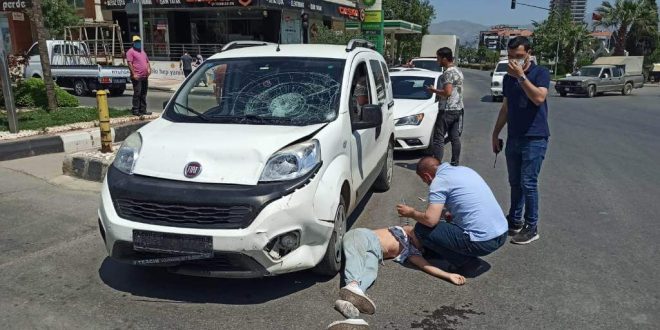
(525, 112)
(138, 64)
(450, 107)
(185, 63)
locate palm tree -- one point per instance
(621, 15)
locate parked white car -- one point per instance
(256, 174)
(415, 108)
(496, 84)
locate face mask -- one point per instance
(521, 62)
(137, 45)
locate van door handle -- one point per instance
(390, 105)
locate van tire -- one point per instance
(562, 94)
(80, 88)
(332, 260)
(384, 181)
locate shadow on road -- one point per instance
(487, 99)
(158, 283)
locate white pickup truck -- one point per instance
(72, 67)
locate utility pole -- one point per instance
(513, 6)
(141, 22)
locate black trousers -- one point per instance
(448, 122)
(140, 88)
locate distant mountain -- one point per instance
(467, 31)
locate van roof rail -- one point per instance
(354, 43)
(243, 44)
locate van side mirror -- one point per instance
(372, 117)
(491, 73)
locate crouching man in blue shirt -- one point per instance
(477, 227)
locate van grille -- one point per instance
(189, 216)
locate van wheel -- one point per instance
(331, 262)
(384, 181)
(591, 91)
(627, 89)
(562, 94)
(79, 88)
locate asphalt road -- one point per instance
(595, 266)
(155, 100)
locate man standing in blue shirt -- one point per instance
(525, 112)
(477, 226)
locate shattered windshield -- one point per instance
(590, 72)
(261, 91)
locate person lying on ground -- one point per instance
(364, 249)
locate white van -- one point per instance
(496, 82)
(256, 173)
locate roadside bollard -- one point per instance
(104, 121)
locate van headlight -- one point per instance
(413, 120)
(128, 153)
(292, 162)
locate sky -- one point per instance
(493, 12)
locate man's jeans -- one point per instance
(448, 122)
(524, 156)
(454, 245)
(363, 254)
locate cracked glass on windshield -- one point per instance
(266, 91)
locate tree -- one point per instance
(641, 40)
(38, 23)
(574, 40)
(622, 15)
(419, 12)
(57, 15)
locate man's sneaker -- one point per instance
(527, 235)
(514, 226)
(353, 294)
(146, 113)
(350, 324)
(347, 309)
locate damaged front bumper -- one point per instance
(245, 224)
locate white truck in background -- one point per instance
(430, 44)
(72, 67)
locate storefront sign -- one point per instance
(352, 13)
(223, 3)
(15, 5)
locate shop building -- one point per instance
(203, 26)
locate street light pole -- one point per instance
(141, 22)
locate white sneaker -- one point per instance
(350, 324)
(353, 294)
(347, 309)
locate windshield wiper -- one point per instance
(266, 118)
(191, 110)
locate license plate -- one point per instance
(149, 241)
(567, 89)
(118, 81)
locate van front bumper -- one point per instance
(241, 237)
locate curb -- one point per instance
(87, 166)
(66, 142)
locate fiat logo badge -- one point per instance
(192, 170)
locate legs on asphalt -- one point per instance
(450, 123)
(524, 156)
